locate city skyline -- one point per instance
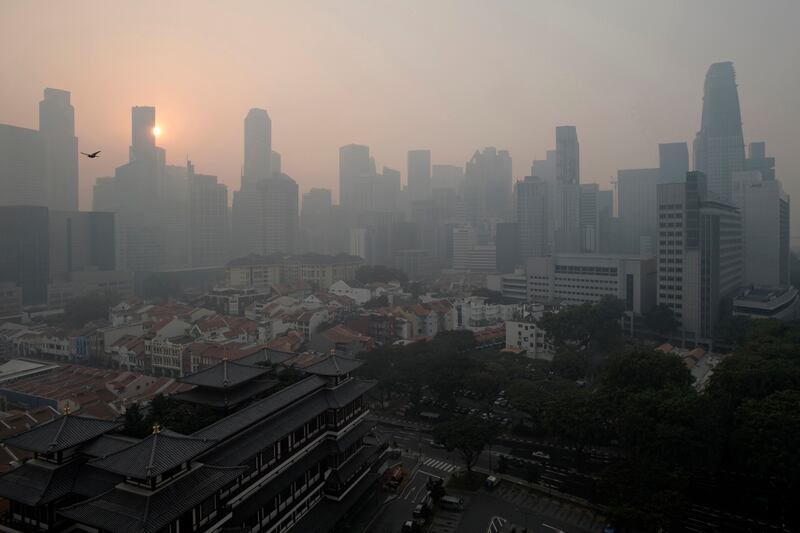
(310, 125)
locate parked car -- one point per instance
(541, 455)
(452, 503)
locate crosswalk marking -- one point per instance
(439, 464)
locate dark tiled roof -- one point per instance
(225, 397)
(106, 445)
(258, 411)
(62, 433)
(266, 356)
(153, 455)
(333, 365)
(348, 391)
(243, 446)
(130, 510)
(92, 481)
(37, 483)
(225, 374)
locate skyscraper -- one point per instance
(568, 165)
(209, 225)
(487, 186)
(143, 138)
(590, 217)
(545, 168)
(257, 147)
(354, 164)
(719, 145)
(266, 217)
(57, 127)
(419, 175)
(699, 254)
(765, 210)
(446, 177)
(673, 160)
(533, 216)
(22, 167)
(567, 194)
(638, 209)
(24, 241)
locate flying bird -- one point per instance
(93, 154)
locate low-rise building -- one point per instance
(781, 303)
(573, 279)
(353, 290)
(526, 335)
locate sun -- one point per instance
(156, 131)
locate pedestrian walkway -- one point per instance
(438, 464)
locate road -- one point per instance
(514, 504)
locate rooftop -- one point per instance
(62, 433)
(152, 456)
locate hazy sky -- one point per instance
(449, 76)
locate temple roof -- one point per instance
(266, 356)
(225, 374)
(38, 483)
(246, 444)
(347, 392)
(254, 413)
(131, 510)
(62, 433)
(153, 455)
(106, 445)
(333, 365)
(226, 397)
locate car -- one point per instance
(491, 482)
(420, 511)
(393, 453)
(436, 444)
(541, 455)
(453, 503)
(473, 411)
(411, 526)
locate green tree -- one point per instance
(661, 320)
(135, 424)
(767, 437)
(468, 435)
(570, 364)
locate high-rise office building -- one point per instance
(209, 223)
(419, 175)
(638, 209)
(699, 254)
(265, 218)
(719, 145)
(316, 222)
(80, 241)
(757, 159)
(545, 168)
(765, 210)
(673, 160)
(354, 166)
(25, 245)
(57, 127)
(534, 216)
(567, 196)
(589, 217)
(447, 177)
(487, 186)
(507, 247)
(257, 147)
(568, 165)
(22, 167)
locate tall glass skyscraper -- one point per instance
(719, 145)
